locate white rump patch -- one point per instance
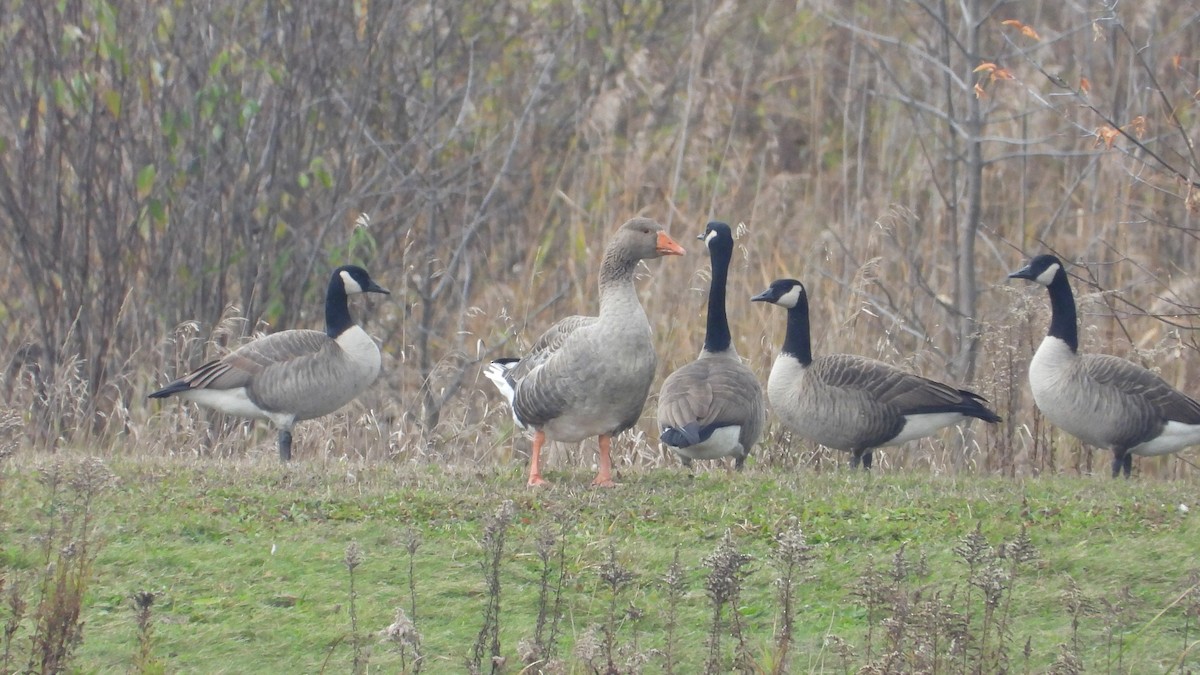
(237, 403)
(920, 426)
(1174, 437)
(722, 443)
(498, 374)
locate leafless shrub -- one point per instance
(404, 637)
(487, 644)
(727, 573)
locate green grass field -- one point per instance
(248, 564)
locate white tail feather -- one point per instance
(498, 374)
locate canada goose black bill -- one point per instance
(590, 375)
(292, 375)
(1102, 400)
(850, 402)
(713, 407)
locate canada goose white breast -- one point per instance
(1079, 394)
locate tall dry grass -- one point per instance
(497, 149)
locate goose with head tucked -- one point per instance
(713, 407)
(853, 403)
(590, 375)
(293, 375)
(1100, 399)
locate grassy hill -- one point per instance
(249, 564)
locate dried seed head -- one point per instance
(354, 555)
(612, 573)
(1020, 550)
(725, 579)
(402, 631)
(791, 549)
(974, 548)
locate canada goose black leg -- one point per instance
(867, 458)
(285, 445)
(739, 462)
(1122, 463)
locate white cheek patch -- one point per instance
(712, 234)
(790, 298)
(350, 284)
(1047, 276)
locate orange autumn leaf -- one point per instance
(985, 67)
(1177, 61)
(979, 91)
(1001, 74)
(1138, 126)
(1085, 87)
(1106, 135)
(360, 14)
(1027, 31)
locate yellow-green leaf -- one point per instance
(112, 101)
(145, 181)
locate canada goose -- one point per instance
(713, 406)
(292, 375)
(850, 402)
(1100, 399)
(589, 376)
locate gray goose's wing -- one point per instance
(1144, 401)
(711, 393)
(548, 344)
(562, 366)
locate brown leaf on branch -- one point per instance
(1085, 87)
(1001, 74)
(985, 67)
(1137, 125)
(980, 92)
(1027, 31)
(1106, 135)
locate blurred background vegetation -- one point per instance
(175, 176)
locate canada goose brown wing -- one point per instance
(240, 367)
(712, 392)
(1137, 386)
(907, 393)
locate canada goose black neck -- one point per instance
(796, 340)
(337, 310)
(1063, 321)
(716, 336)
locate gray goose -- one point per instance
(850, 402)
(713, 407)
(1100, 399)
(590, 375)
(292, 375)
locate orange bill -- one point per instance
(668, 246)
